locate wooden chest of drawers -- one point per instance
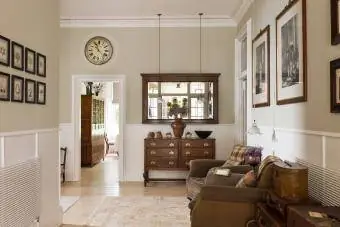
(174, 154)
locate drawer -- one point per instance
(266, 217)
(201, 143)
(162, 163)
(197, 152)
(162, 152)
(170, 143)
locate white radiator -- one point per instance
(20, 194)
(324, 184)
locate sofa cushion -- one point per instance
(194, 185)
(237, 156)
(215, 179)
(248, 180)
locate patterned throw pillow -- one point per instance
(248, 180)
(236, 156)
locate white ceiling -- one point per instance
(148, 8)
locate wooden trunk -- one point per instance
(290, 181)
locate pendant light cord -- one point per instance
(159, 43)
(200, 14)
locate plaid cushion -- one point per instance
(237, 156)
(248, 180)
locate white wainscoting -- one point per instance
(134, 147)
(16, 147)
(318, 148)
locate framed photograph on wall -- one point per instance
(17, 89)
(4, 87)
(29, 60)
(41, 65)
(335, 21)
(4, 50)
(41, 93)
(17, 56)
(335, 85)
(30, 86)
(291, 54)
(261, 68)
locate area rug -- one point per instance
(148, 211)
(66, 202)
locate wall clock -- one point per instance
(98, 50)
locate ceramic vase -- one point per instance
(178, 127)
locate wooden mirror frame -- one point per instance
(335, 33)
(179, 77)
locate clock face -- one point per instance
(98, 50)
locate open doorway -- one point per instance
(110, 120)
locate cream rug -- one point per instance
(144, 211)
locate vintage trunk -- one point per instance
(290, 181)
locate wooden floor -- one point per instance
(102, 179)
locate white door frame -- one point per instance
(76, 124)
(246, 31)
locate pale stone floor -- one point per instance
(101, 181)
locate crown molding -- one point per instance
(124, 22)
(239, 14)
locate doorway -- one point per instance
(243, 82)
(119, 81)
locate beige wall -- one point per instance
(34, 24)
(314, 114)
(137, 52)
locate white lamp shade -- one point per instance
(254, 130)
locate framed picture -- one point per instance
(4, 87)
(17, 89)
(30, 86)
(291, 54)
(335, 85)
(29, 60)
(335, 21)
(261, 68)
(41, 93)
(17, 56)
(41, 65)
(4, 50)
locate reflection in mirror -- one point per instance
(190, 100)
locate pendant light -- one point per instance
(159, 43)
(254, 129)
(200, 14)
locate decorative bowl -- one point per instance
(203, 134)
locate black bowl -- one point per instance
(203, 134)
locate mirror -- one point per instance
(193, 97)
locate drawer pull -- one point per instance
(153, 152)
(206, 152)
(152, 162)
(187, 163)
(171, 153)
(188, 144)
(188, 153)
(171, 144)
(206, 145)
(171, 163)
(152, 144)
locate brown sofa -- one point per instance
(199, 169)
(223, 205)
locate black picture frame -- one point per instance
(291, 53)
(30, 59)
(335, 17)
(17, 86)
(5, 86)
(335, 86)
(261, 77)
(30, 90)
(41, 65)
(41, 96)
(17, 53)
(5, 60)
